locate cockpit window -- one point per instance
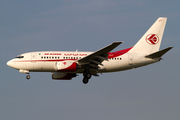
(20, 56)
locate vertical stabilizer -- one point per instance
(151, 40)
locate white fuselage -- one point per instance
(45, 61)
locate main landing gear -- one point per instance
(87, 75)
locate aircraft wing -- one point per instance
(97, 57)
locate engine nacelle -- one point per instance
(63, 76)
(66, 66)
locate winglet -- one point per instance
(159, 53)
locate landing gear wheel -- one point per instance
(88, 75)
(28, 77)
(85, 80)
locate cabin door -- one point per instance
(33, 57)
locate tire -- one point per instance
(28, 77)
(85, 80)
(88, 75)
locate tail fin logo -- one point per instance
(152, 39)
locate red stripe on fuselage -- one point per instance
(118, 53)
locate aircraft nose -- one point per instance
(10, 63)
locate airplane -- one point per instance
(65, 65)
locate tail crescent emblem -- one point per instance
(152, 39)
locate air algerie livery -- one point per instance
(66, 65)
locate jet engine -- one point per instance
(63, 76)
(66, 66)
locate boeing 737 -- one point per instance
(66, 65)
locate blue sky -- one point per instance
(150, 92)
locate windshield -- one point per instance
(20, 56)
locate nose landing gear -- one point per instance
(26, 72)
(28, 77)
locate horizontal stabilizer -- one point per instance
(159, 53)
